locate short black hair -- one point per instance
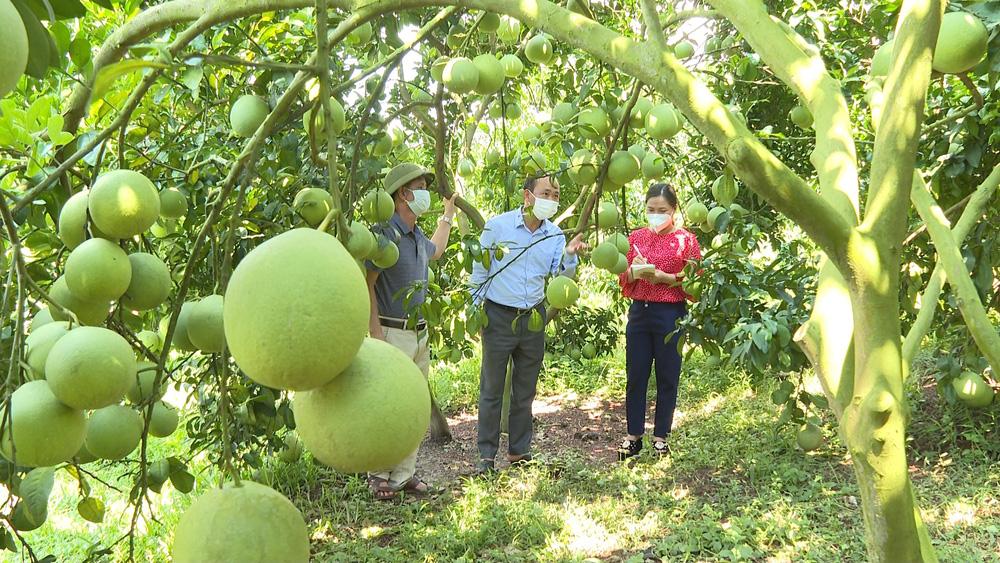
(530, 181)
(662, 190)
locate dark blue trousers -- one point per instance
(648, 325)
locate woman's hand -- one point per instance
(639, 259)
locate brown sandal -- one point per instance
(381, 489)
(417, 486)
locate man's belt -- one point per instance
(402, 324)
(512, 309)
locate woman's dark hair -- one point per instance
(662, 190)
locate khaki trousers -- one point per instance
(414, 345)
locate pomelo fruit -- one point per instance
(512, 65)
(246, 115)
(460, 75)
(151, 340)
(491, 73)
(339, 120)
(361, 243)
(44, 430)
(73, 220)
(98, 270)
(512, 111)
(150, 283)
(313, 204)
(377, 206)
(623, 168)
(371, 416)
(141, 389)
(113, 432)
(882, 59)
(204, 326)
(562, 292)
(13, 47)
(662, 121)
(386, 256)
(607, 215)
(620, 241)
(725, 190)
(164, 421)
(90, 368)
(713, 216)
(510, 30)
(383, 145)
(489, 23)
(493, 157)
(605, 255)
(173, 203)
(583, 167)
(361, 34)
(653, 166)
(683, 49)
(123, 203)
(564, 112)
(696, 212)
(973, 390)
(809, 437)
(961, 43)
(89, 312)
(307, 276)
(637, 151)
(637, 119)
(621, 265)
(530, 133)
(594, 123)
(39, 343)
(437, 68)
(180, 339)
(41, 318)
(466, 167)
(589, 351)
(534, 162)
(249, 523)
(801, 116)
(539, 49)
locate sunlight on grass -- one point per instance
(960, 514)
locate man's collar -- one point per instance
(400, 224)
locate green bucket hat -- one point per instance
(404, 173)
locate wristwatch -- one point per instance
(446, 219)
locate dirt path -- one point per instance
(563, 423)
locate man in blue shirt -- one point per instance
(513, 286)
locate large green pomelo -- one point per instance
(620, 241)
(696, 212)
(489, 23)
(466, 167)
(437, 68)
(41, 318)
(683, 49)
(725, 189)
(594, 123)
(662, 121)
(90, 368)
(246, 115)
(204, 326)
(539, 49)
(370, 417)
(961, 43)
(623, 168)
(113, 432)
(972, 390)
(386, 256)
(801, 116)
(123, 203)
(45, 431)
(296, 310)
(313, 204)
(809, 437)
(510, 30)
(150, 339)
(98, 270)
(249, 523)
(150, 284)
(339, 120)
(173, 204)
(460, 75)
(562, 292)
(564, 112)
(180, 339)
(491, 73)
(13, 47)
(39, 343)
(512, 67)
(637, 119)
(89, 312)
(621, 265)
(882, 59)
(73, 220)
(361, 243)
(583, 167)
(141, 389)
(605, 255)
(383, 145)
(607, 215)
(653, 166)
(713, 216)
(164, 420)
(361, 34)
(377, 206)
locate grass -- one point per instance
(735, 489)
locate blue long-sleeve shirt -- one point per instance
(518, 278)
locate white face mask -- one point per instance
(658, 221)
(544, 208)
(421, 202)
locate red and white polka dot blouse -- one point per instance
(669, 252)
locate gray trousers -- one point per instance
(526, 349)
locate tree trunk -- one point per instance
(439, 424)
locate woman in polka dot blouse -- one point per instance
(657, 254)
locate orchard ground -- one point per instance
(736, 487)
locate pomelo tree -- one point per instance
(255, 117)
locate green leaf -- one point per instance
(107, 76)
(79, 50)
(760, 339)
(182, 481)
(34, 492)
(192, 78)
(91, 509)
(39, 41)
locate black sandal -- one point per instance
(661, 447)
(381, 489)
(629, 448)
(417, 486)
